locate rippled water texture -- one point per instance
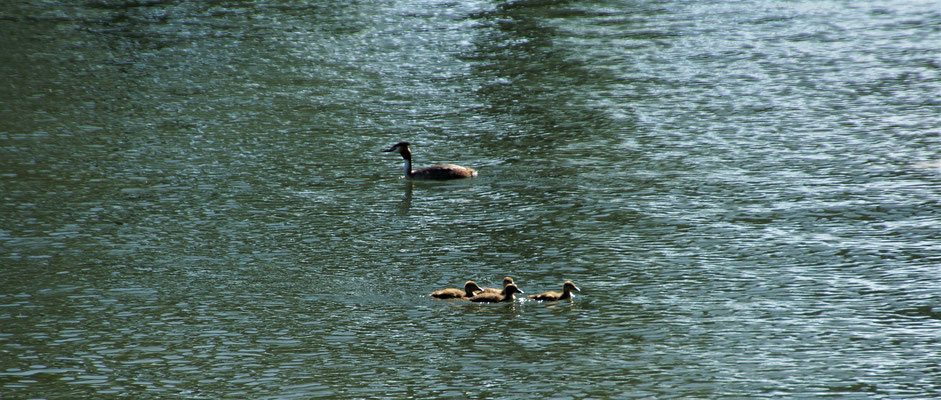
(195, 204)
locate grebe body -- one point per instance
(470, 289)
(505, 296)
(567, 288)
(438, 172)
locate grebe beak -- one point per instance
(390, 149)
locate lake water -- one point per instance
(195, 205)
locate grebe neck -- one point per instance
(408, 167)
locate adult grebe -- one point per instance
(434, 172)
(566, 294)
(505, 296)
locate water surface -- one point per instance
(195, 204)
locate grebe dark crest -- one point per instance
(434, 172)
(505, 296)
(567, 288)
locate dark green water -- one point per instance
(194, 203)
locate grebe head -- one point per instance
(471, 287)
(403, 150)
(569, 286)
(507, 281)
(512, 288)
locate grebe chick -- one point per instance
(505, 296)
(567, 288)
(506, 281)
(434, 172)
(470, 289)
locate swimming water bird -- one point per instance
(506, 281)
(567, 288)
(505, 296)
(434, 172)
(470, 289)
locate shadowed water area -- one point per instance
(194, 202)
